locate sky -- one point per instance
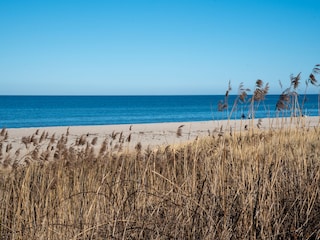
(155, 47)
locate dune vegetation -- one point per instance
(249, 184)
(252, 184)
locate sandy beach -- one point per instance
(19, 142)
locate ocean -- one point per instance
(42, 111)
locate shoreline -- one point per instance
(20, 142)
(165, 127)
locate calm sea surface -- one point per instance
(40, 111)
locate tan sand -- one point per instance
(128, 136)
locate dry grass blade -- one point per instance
(222, 105)
(1, 154)
(128, 138)
(280, 83)
(229, 89)
(6, 136)
(42, 137)
(9, 147)
(229, 86)
(121, 137)
(266, 89)
(221, 132)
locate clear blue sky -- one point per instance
(116, 47)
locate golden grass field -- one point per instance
(249, 184)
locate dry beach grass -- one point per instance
(245, 179)
(241, 180)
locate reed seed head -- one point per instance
(295, 81)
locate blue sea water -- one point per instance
(41, 111)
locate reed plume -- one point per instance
(3, 132)
(260, 91)
(94, 141)
(312, 79)
(295, 81)
(289, 97)
(179, 131)
(223, 104)
(284, 100)
(242, 96)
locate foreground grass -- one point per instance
(247, 185)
